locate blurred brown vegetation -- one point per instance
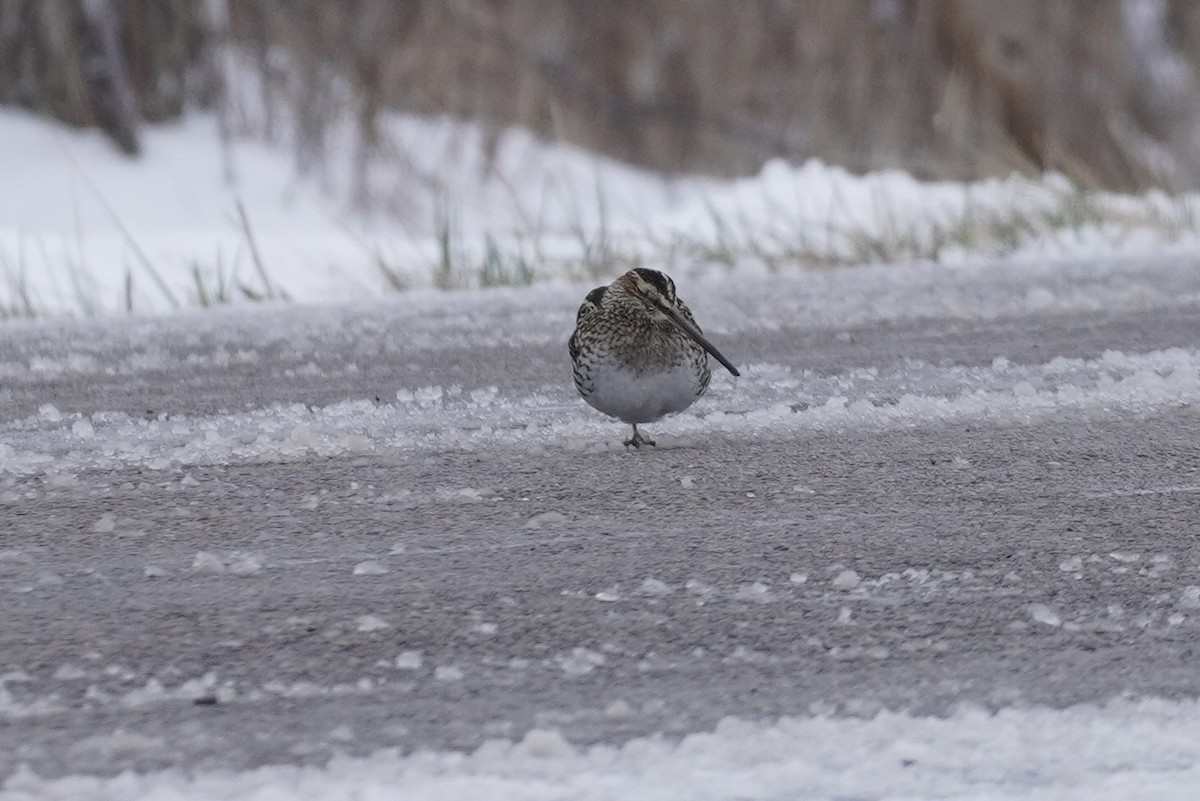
(1104, 91)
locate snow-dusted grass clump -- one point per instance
(201, 221)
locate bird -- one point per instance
(637, 352)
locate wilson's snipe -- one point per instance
(637, 351)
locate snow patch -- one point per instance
(1126, 749)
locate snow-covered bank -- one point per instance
(1124, 750)
(83, 230)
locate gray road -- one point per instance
(605, 594)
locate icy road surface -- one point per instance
(267, 537)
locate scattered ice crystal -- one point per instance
(1045, 615)
(408, 660)
(619, 709)
(242, 563)
(755, 592)
(448, 673)
(545, 746)
(206, 562)
(1072, 564)
(370, 567)
(846, 580)
(652, 586)
(580, 661)
(59, 480)
(369, 623)
(545, 519)
(69, 672)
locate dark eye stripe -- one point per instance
(657, 280)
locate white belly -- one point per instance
(634, 398)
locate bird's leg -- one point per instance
(637, 440)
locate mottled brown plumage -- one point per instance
(637, 351)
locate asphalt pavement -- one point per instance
(282, 611)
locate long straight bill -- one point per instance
(695, 334)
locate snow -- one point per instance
(409, 660)
(769, 401)
(1045, 615)
(368, 623)
(846, 580)
(74, 236)
(1122, 750)
(448, 673)
(92, 232)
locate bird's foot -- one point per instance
(637, 440)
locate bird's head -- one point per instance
(657, 291)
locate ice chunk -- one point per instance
(546, 746)
(243, 563)
(609, 595)
(755, 592)
(846, 580)
(580, 661)
(408, 660)
(1044, 614)
(652, 586)
(1071, 564)
(370, 567)
(448, 673)
(369, 623)
(205, 562)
